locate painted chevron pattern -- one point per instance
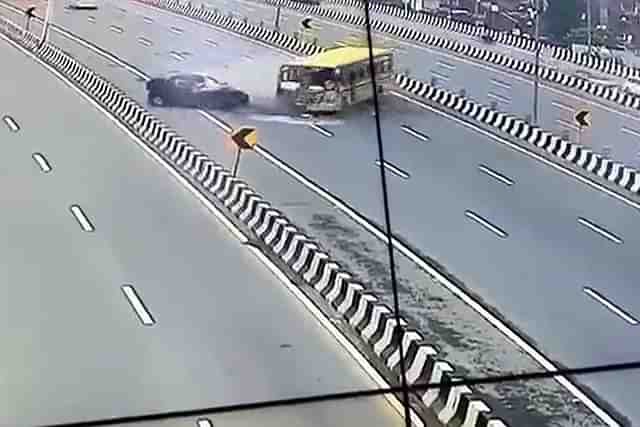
(372, 319)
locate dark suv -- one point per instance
(194, 90)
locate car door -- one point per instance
(181, 91)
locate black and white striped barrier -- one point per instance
(612, 171)
(606, 66)
(579, 155)
(615, 95)
(454, 406)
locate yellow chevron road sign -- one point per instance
(245, 137)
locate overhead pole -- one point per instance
(47, 20)
(536, 79)
(589, 40)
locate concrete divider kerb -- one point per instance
(614, 175)
(577, 158)
(296, 253)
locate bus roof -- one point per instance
(341, 56)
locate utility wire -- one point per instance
(527, 376)
(387, 213)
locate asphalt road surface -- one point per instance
(535, 275)
(226, 330)
(615, 129)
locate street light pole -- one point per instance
(47, 19)
(588, 26)
(536, 81)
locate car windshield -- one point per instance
(353, 233)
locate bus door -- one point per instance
(288, 80)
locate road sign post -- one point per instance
(29, 14)
(276, 24)
(245, 138)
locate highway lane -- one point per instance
(613, 126)
(67, 320)
(540, 212)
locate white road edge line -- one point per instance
(501, 84)
(601, 231)
(486, 224)
(496, 175)
(11, 123)
(446, 65)
(516, 147)
(610, 305)
(393, 169)
(204, 422)
(630, 131)
(116, 29)
(216, 121)
(321, 130)
(235, 231)
(440, 76)
(417, 134)
(82, 219)
(499, 97)
(137, 305)
(98, 52)
(567, 124)
(467, 299)
(563, 106)
(42, 162)
(335, 332)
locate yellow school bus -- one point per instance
(334, 79)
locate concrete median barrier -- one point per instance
(299, 256)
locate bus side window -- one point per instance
(352, 77)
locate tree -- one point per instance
(562, 16)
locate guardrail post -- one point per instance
(433, 82)
(606, 151)
(245, 20)
(527, 118)
(564, 134)
(493, 105)
(463, 92)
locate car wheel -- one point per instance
(156, 100)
